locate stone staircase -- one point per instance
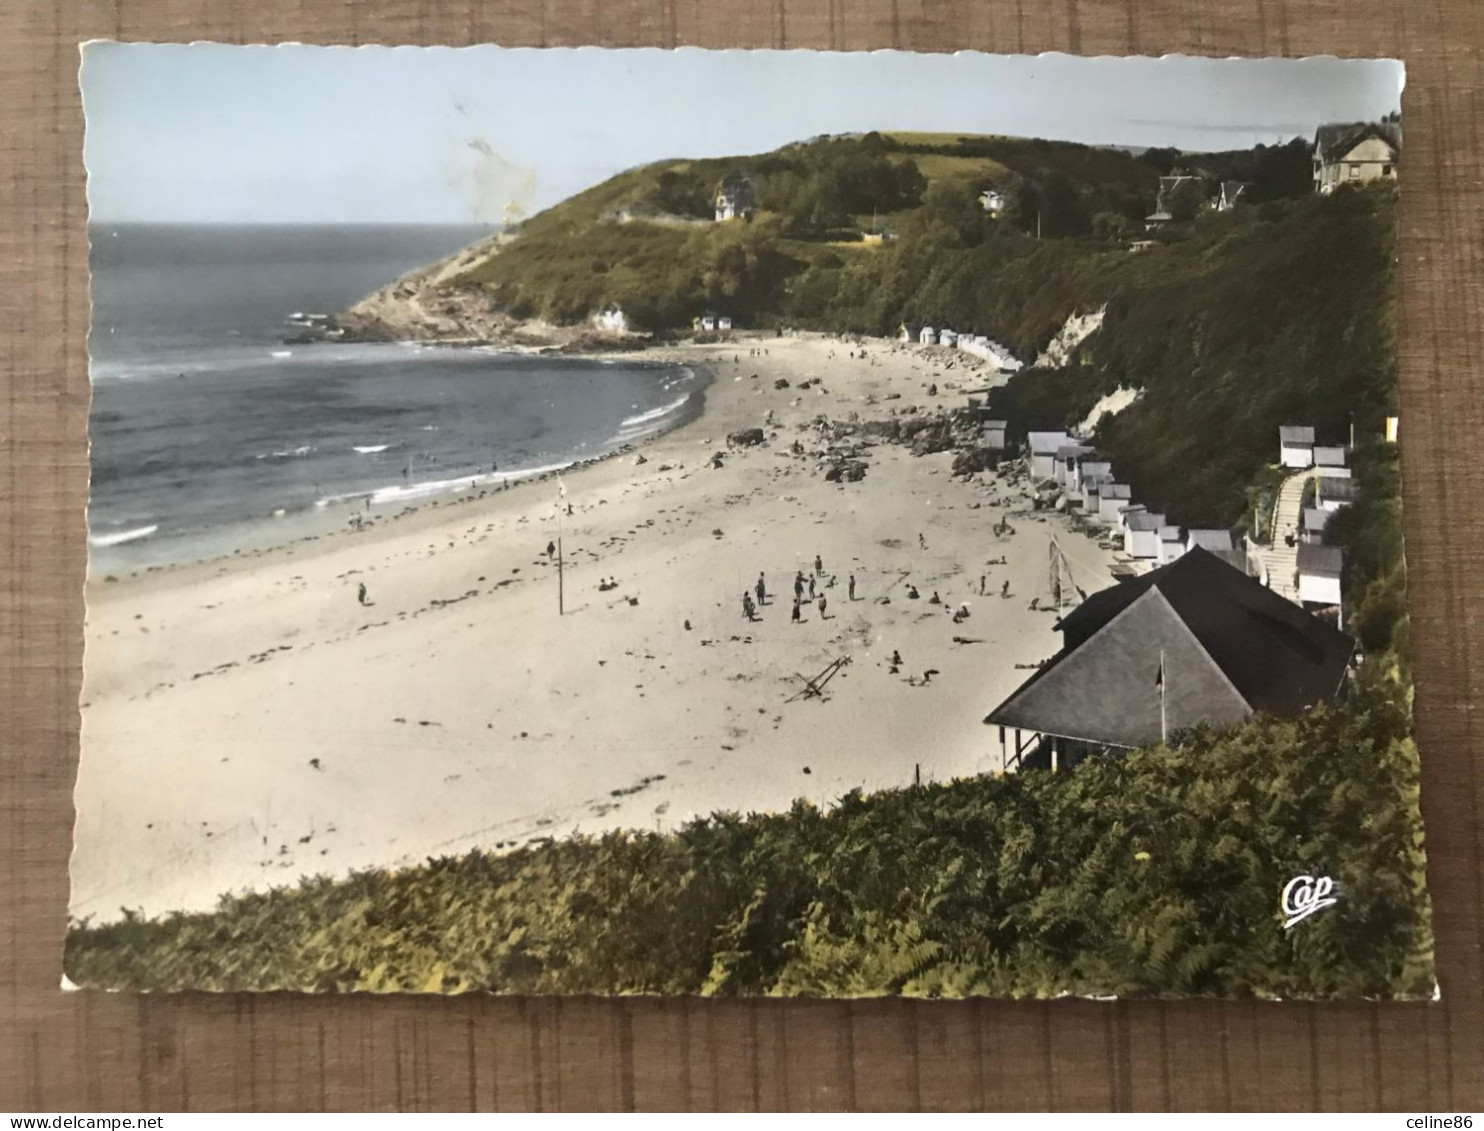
(1281, 560)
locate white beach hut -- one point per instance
(1296, 445)
(1112, 498)
(1043, 447)
(1319, 570)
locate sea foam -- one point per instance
(122, 536)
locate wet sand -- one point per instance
(248, 722)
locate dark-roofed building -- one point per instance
(1214, 540)
(1355, 153)
(1180, 197)
(1296, 445)
(1319, 570)
(1332, 492)
(1313, 522)
(1196, 642)
(1230, 195)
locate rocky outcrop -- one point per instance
(1075, 330)
(431, 304)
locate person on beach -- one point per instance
(852, 587)
(935, 599)
(361, 593)
(912, 593)
(551, 549)
(795, 617)
(762, 591)
(922, 542)
(747, 607)
(981, 584)
(1005, 589)
(811, 588)
(822, 603)
(818, 564)
(798, 587)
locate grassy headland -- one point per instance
(1231, 324)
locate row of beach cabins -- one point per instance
(975, 344)
(1208, 630)
(1089, 488)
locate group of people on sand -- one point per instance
(808, 589)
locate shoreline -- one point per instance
(329, 518)
(247, 722)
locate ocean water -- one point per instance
(210, 433)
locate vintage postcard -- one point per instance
(745, 523)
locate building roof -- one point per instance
(1334, 140)
(1169, 534)
(1232, 191)
(1142, 520)
(1320, 561)
(1069, 451)
(1116, 491)
(1231, 647)
(1334, 487)
(1212, 540)
(1295, 434)
(1316, 518)
(1046, 443)
(1236, 558)
(996, 424)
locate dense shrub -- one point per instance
(1154, 873)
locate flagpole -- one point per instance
(1164, 733)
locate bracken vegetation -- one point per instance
(1155, 873)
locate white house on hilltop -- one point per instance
(1355, 153)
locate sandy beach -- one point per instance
(247, 722)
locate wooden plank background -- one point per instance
(119, 1052)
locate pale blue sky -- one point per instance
(217, 133)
